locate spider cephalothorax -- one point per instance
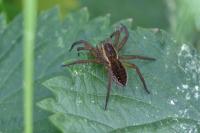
(106, 53)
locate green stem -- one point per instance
(30, 14)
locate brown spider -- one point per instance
(107, 54)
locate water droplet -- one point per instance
(184, 47)
(185, 86)
(196, 87)
(75, 72)
(183, 126)
(183, 113)
(144, 37)
(178, 88)
(172, 102)
(196, 95)
(187, 96)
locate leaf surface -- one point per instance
(51, 37)
(173, 80)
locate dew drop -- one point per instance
(172, 102)
(196, 87)
(185, 86)
(75, 72)
(178, 88)
(196, 95)
(187, 96)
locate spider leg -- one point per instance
(81, 62)
(117, 33)
(140, 75)
(85, 43)
(81, 48)
(125, 38)
(109, 87)
(129, 57)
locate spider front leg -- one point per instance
(81, 48)
(86, 44)
(117, 33)
(109, 87)
(129, 57)
(81, 62)
(140, 75)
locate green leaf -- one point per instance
(50, 49)
(79, 91)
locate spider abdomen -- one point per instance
(118, 72)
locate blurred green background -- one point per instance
(179, 17)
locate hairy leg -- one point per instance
(125, 38)
(86, 44)
(140, 75)
(117, 33)
(129, 57)
(82, 48)
(109, 87)
(81, 62)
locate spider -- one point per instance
(106, 53)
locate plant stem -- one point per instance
(30, 14)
